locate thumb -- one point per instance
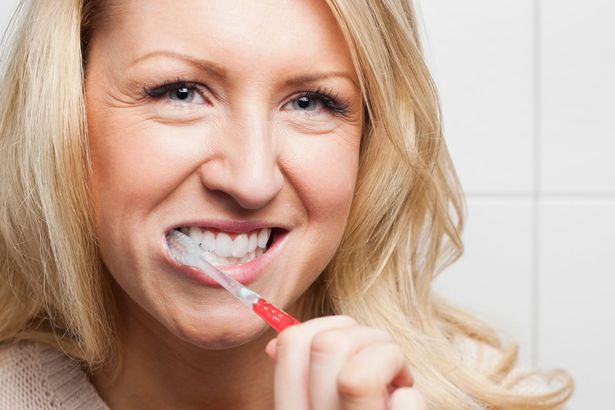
(271, 348)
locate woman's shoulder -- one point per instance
(35, 375)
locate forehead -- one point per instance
(241, 34)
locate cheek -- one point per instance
(324, 174)
(137, 165)
(124, 167)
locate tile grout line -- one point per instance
(536, 100)
(541, 195)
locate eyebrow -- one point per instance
(203, 65)
(221, 72)
(311, 78)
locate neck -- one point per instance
(160, 370)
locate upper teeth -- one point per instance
(224, 250)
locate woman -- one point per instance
(301, 140)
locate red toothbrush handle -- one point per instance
(276, 318)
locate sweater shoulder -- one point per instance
(35, 375)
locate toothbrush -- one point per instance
(187, 252)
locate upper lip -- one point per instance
(232, 226)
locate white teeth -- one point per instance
(195, 233)
(211, 258)
(209, 241)
(263, 237)
(240, 246)
(224, 245)
(252, 242)
(222, 250)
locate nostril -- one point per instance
(252, 179)
(243, 197)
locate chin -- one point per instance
(222, 332)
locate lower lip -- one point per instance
(244, 273)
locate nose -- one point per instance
(245, 164)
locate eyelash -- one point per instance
(326, 96)
(159, 91)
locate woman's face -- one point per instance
(230, 119)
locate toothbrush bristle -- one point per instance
(180, 246)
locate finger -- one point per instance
(364, 380)
(406, 398)
(330, 350)
(271, 348)
(292, 360)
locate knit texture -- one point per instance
(36, 376)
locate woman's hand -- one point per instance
(333, 363)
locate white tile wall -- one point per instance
(577, 295)
(480, 55)
(539, 264)
(494, 277)
(6, 10)
(578, 89)
(556, 59)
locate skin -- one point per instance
(239, 149)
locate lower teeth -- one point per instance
(221, 260)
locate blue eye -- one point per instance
(179, 92)
(315, 101)
(306, 103)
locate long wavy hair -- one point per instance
(404, 226)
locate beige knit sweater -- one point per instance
(38, 377)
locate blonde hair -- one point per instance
(403, 229)
(51, 286)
